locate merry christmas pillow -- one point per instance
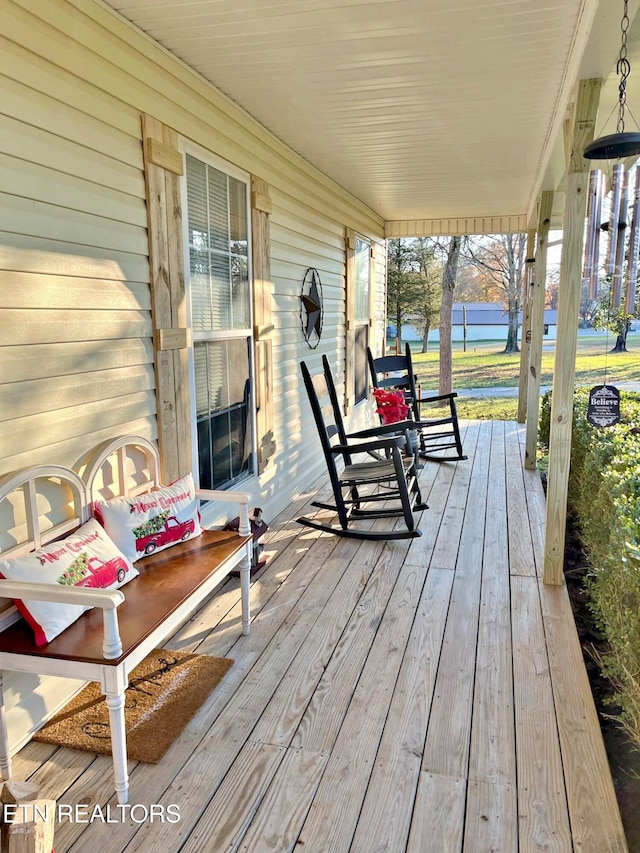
(151, 522)
(87, 558)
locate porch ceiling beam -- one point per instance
(575, 205)
(510, 224)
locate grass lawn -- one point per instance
(483, 409)
(484, 365)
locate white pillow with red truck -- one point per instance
(86, 558)
(152, 522)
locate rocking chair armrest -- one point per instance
(384, 429)
(369, 446)
(437, 398)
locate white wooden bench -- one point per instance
(125, 625)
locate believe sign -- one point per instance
(603, 409)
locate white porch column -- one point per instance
(575, 205)
(525, 343)
(537, 330)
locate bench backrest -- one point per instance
(46, 502)
(127, 466)
(39, 505)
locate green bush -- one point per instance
(604, 496)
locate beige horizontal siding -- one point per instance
(50, 221)
(24, 290)
(25, 252)
(39, 145)
(32, 397)
(76, 365)
(36, 182)
(41, 430)
(300, 239)
(68, 448)
(95, 132)
(32, 361)
(45, 326)
(66, 87)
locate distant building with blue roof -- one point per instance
(485, 321)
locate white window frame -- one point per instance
(188, 147)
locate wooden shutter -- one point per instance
(351, 323)
(373, 272)
(350, 320)
(163, 165)
(263, 327)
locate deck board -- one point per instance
(521, 559)
(438, 817)
(492, 754)
(415, 695)
(387, 810)
(334, 812)
(542, 801)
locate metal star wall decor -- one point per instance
(311, 307)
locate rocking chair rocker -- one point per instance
(436, 435)
(384, 487)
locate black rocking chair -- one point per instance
(385, 487)
(436, 434)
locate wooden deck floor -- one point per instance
(417, 695)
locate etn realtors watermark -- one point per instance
(86, 813)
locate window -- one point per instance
(217, 221)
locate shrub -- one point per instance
(604, 496)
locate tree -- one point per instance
(403, 282)
(551, 293)
(449, 275)
(616, 320)
(474, 284)
(502, 258)
(427, 306)
(588, 306)
(427, 309)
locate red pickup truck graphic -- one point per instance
(102, 574)
(171, 531)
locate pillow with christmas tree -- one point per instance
(86, 558)
(151, 522)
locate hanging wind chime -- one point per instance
(604, 400)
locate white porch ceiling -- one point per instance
(423, 109)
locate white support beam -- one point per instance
(525, 342)
(537, 330)
(575, 206)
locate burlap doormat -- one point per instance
(164, 692)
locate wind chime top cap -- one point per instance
(615, 146)
(621, 144)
